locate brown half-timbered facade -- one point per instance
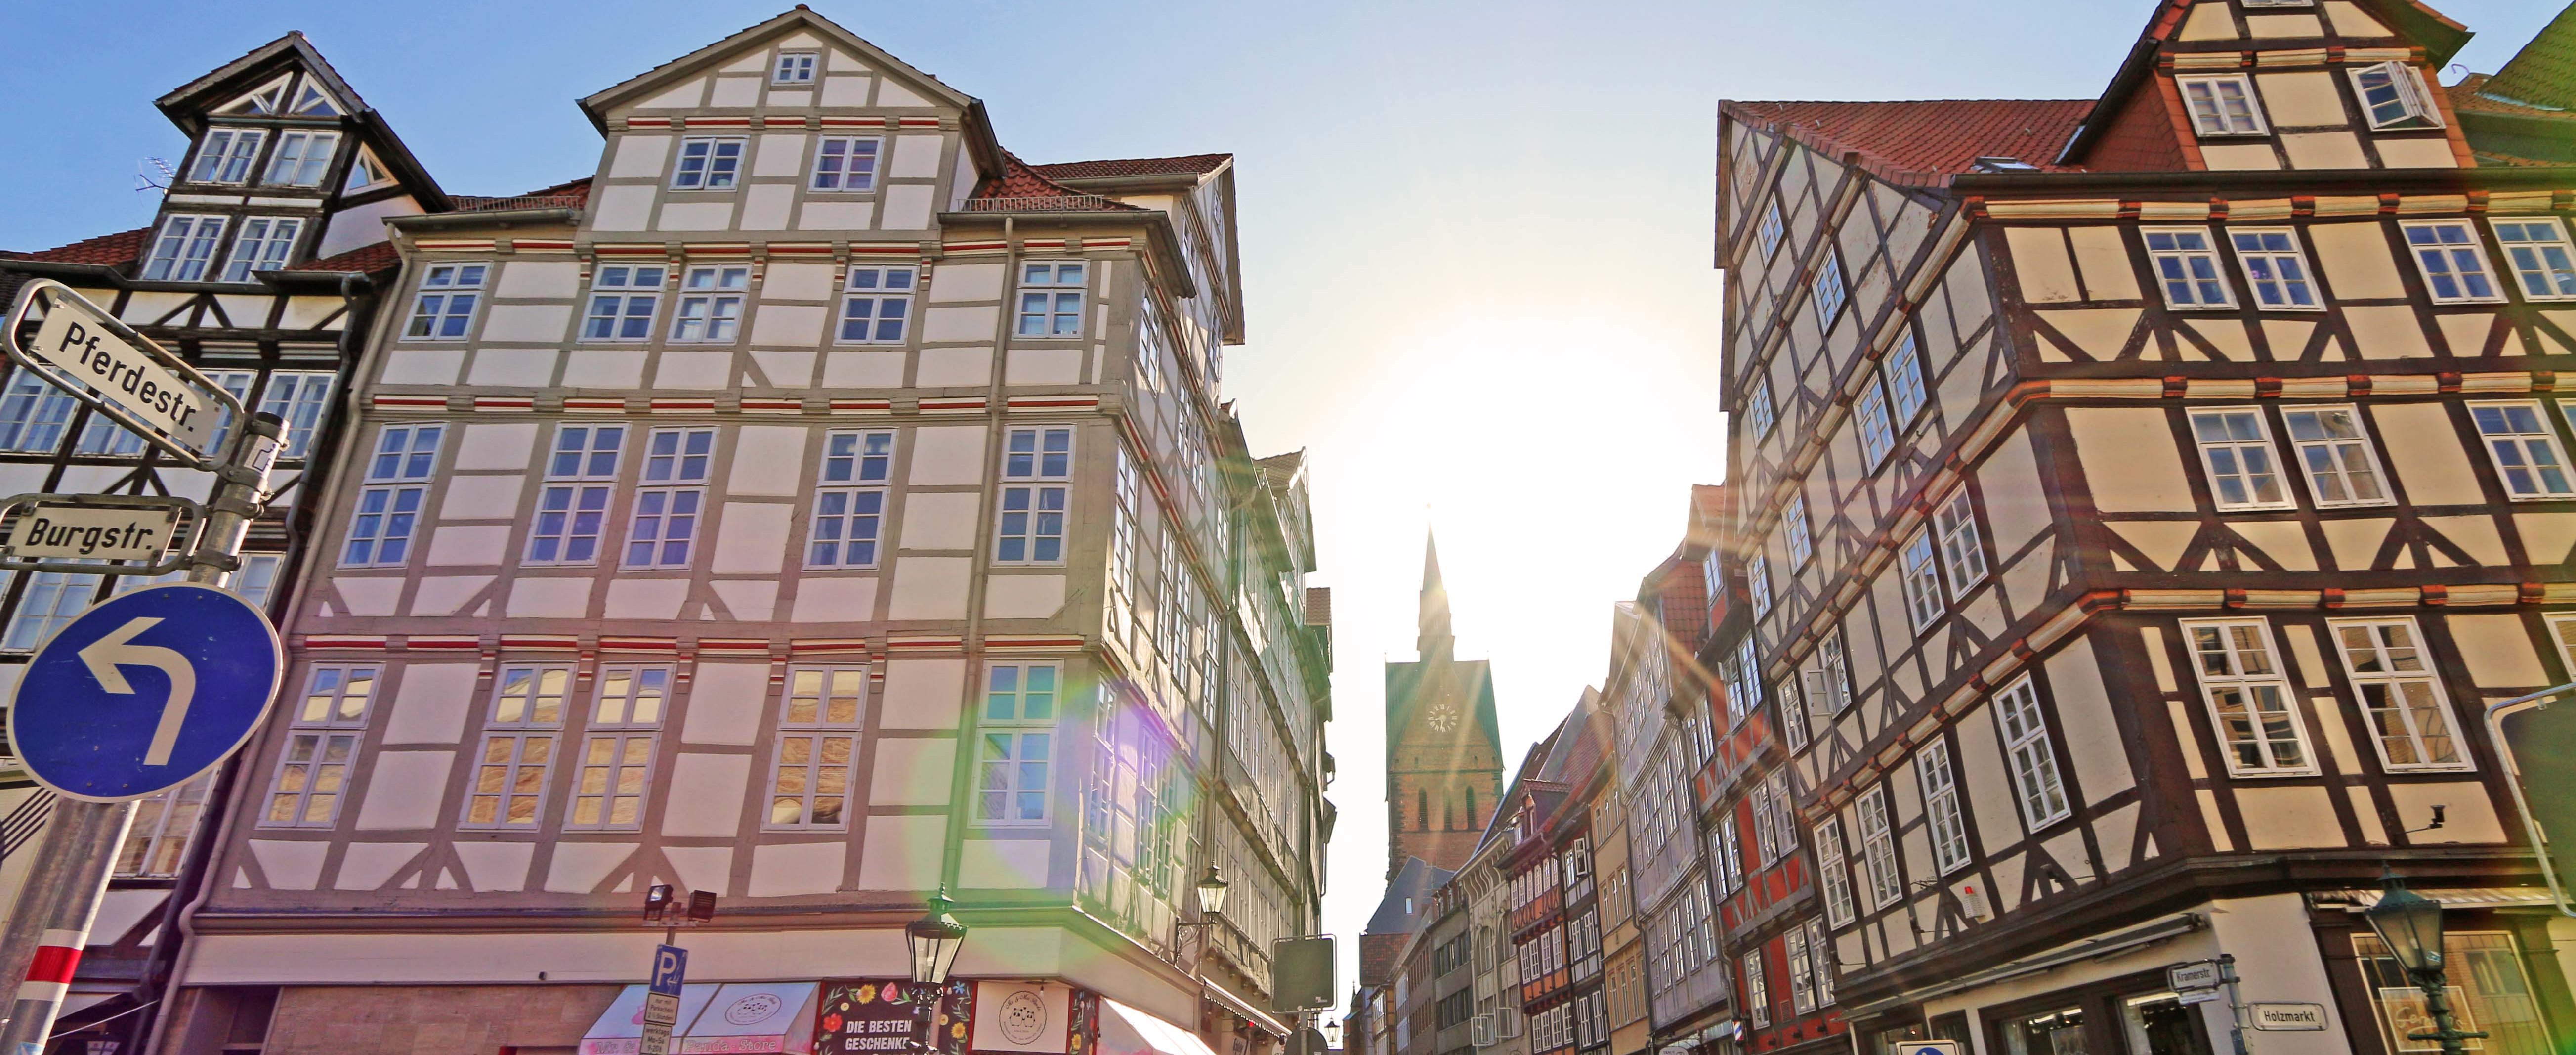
(2137, 499)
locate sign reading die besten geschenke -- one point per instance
(886, 1016)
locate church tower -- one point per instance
(1444, 762)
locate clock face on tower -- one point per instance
(1443, 717)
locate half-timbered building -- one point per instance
(819, 507)
(2137, 498)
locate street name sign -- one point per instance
(2288, 1017)
(57, 529)
(2199, 974)
(2536, 734)
(144, 691)
(84, 351)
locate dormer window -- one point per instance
(226, 154)
(365, 173)
(2221, 106)
(311, 102)
(795, 69)
(2395, 96)
(301, 158)
(263, 245)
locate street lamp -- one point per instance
(1190, 937)
(1211, 892)
(934, 940)
(2410, 924)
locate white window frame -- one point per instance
(2275, 268)
(302, 399)
(1944, 820)
(1963, 544)
(807, 717)
(624, 301)
(1052, 296)
(302, 158)
(715, 169)
(225, 155)
(846, 164)
(2336, 462)
(1757, 583)
(1759, 414)
(2399, 85)
(263, 243)
(620, 720)
(2031, 755)
(1820, 946)
(1902, 374)
(573, 502)
(1771, 231)
(2452, 255)
(1878, 849)
(2229, 459)
(394, 496)
(508, 784)
(184, 249)
(1918, 569)
(2537, 251)
(670, 499)
(1829, 289)
(711, 303)
(1036, 500)
(1833, 871)
(1005, 730)
(850, 499)
(869, 300)
(1757, 991)
(34, 414)
(321, 749)
(49, 601)
(2511, 442)
(1828, 682)
(2207, 100)
(1797, 533)
(2185, 265)
(1802, 968)
(2390, 679)
(165, 825)
(2235, 682)
(443, 308)
(795, 69)
(1877, 432)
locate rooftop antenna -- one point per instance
(144, 180)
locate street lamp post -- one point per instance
(934, 940)
(1211, 895)
(2410, 924)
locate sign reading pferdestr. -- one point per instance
(89, 355)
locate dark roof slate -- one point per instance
(2542, 76)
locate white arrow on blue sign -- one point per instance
(143, 692)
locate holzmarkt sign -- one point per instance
(88, 353)
(2288, 1016)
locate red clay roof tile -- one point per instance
(1190, 165)
(1024, 187)
(1927, 141)
(122, 247)
(365, 260)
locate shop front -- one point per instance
(887, 1016)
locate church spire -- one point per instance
(1435, 606)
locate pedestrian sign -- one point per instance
(143, 692)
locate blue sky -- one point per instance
(1476, 236)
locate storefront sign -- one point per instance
(887, 1016)
(2289, 1016)
(1022, 1016)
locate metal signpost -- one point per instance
(142, 692)
(662, 998)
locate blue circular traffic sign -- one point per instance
(145, 691)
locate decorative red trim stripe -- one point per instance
(773, 406)
(968, 247)
(732, 645)
(862, 406)
(827, 645)
(648, 122)
(919, 644)
(343, 641)
(505, 403)
(629, 249)
(952, 405)
(800, 249)
(1034, 641)
(552, 642)
(422, 642)
(395, 402)
(719, 249)
(1042, 243)
(683, 406)
(1054, 402)
(920, 122)
(465, 244)
(638, 644)
(594, 404)
(886, 250)
(703, 121)
(536, 244)
(53, 963)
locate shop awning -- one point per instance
(737, 1018)
(1127, 1031)
(1259, 1018)
(2110, 945)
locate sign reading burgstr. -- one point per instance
(97, 533)
(87, 353)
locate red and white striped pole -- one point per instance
(53, 915)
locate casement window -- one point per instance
(795, 69)
(301, 159)
(263, 245)
(1758, 414)
(2250, 702)
(2187, 268)
(616, 764)
(1963, 548)
(2236, 452)
(1772, 229)
(1878, 849)
(2275, 269)
(1015, 737)
(519, 743)
(1834, 876)
(846, 163)
(1916, 568)
(708, 163)
(2393, 94)
(1797, 537)
(2336, 455)
(572, 509)
(1795, 705)
(875, 304)
(2221, 105)
(1757, 583)
(1946, 822)
(1749, 661)
(1828, 289)
(444, 307)
(671, 498)
(1903, 375)
(1802, 972)
(1051, 299)
(46, 604)
(156, 844)
(1037, 464)
(1757, 994)
(1828, 680)
(710, 304)
(850, 500)
(623, 298)
(389, 504)
(818, 743)
(2538, 251)
(2033, 755)
(33, 414)
(2452, 261)
(1877, 433)
(2526, 453)
(1766, 842)
(321, 744)
(301, 399)
(184, 249)
(226, 154)
(1728, 848)
(2401, 695)
(1825, 961)
(108, 439)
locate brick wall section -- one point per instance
(434, 1020)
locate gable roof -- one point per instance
(110, 250)
(1029, 190)
(1187, 165)
(2542, 76)
(187, 105)
(1926, 141)
(1415, 882)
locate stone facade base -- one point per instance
(434, 1020)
